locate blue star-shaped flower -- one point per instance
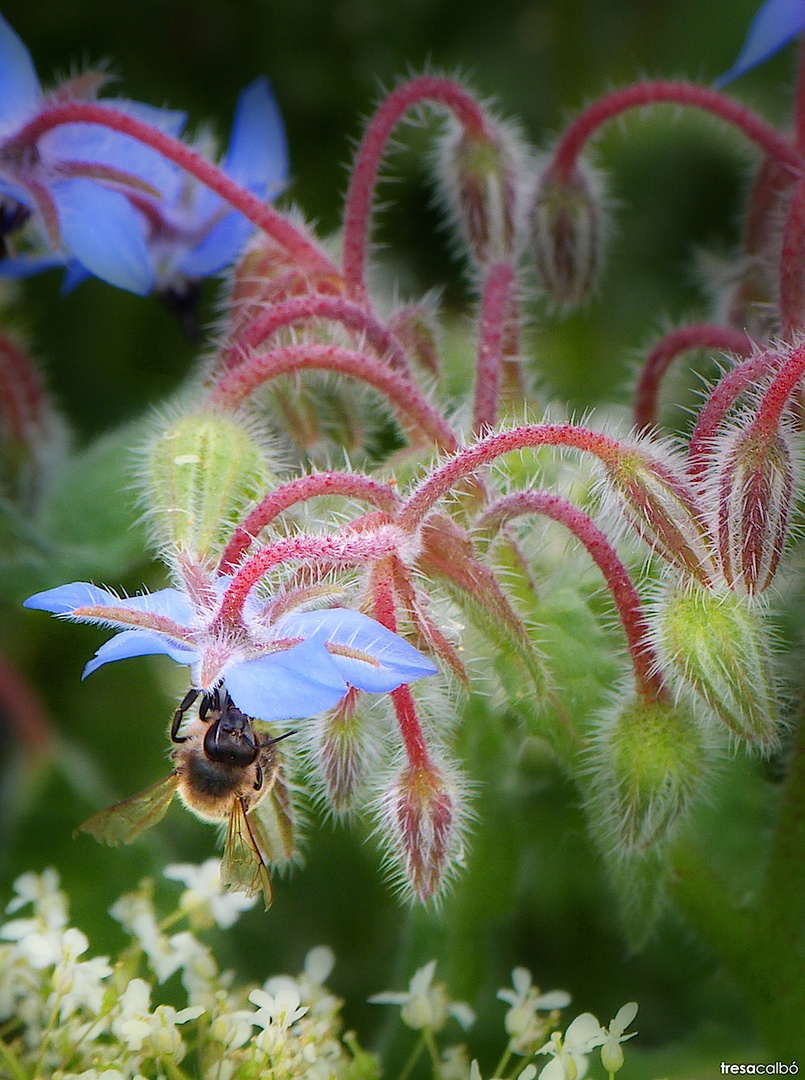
(71, 187)
(776, 23)
(299, 665)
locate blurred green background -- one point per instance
(533, 893)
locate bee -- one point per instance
(224, 768)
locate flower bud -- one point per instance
(278, 824)
(660, 504)
(415, 327)
(754, 483)
(420, 818)
(345, 753)
(202, 470)
(481, 181)
(650, 763)
(719, 646)
(566, 233)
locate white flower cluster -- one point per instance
(426, 1007)
(70, 1018)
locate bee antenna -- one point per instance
(284, 735)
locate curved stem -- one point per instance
(407, 399)
(334, 550)
(257, 211)
(658, 361)
(358, 206)
(724, 395)
(671, 93)
(495, 311)
(792, 306)
(306, 308)
(347, 485)
(469, 460)
(649, 680)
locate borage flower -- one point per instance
(301, 664)
(776, 23)
(70, 187)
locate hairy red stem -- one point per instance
(257, 211)
(347, 485)
(671, 93)
(405, 396)
(316, 306)
(627, 599)
(495, 311)
(683, 339)
(363, 181)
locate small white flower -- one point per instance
(281, 1009)
(528, 1073)
(524, 1026)
(611, 1052)
(569, 1054)
(77, 983)
(205, 899)
(426, 1004)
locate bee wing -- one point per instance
(127, 819)
(243, 866)
(273, 823)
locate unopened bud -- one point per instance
(420, 814)
(32, 438)
(718, 644)
(202, 471)
(754, 482)
(416, 330)
(659, 502)
(566, 234)
(481, 179)
(651, 760)
(345, 753)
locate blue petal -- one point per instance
(19, 86)
(139, 643)
(258, 150)
(390, 661)
(219, 248)
(777, 22)
(105, 233)
(25, 266)
(286, 685)
(64, 599)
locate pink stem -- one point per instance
(627, 599)
(348, 550)
(791, 264)
(683, 339)
(726, 392)
(672, 93)
(413, 737)
(316, 306)
(257, 211)
(495, 311)
(408, 400)
(20, 390)
(767, 421)
(469, 460)
(358, 207)
(25, 711)
(799, 101)
(347, 485)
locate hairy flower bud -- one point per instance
(650, 761)
(202, 471)
(659, 502)
(345, 753)
(718, 644)
(481, 180)
(421, 814)
(566, 233)
(754, 482)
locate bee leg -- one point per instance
(210, 702)
(258, 783)
(178, 716)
